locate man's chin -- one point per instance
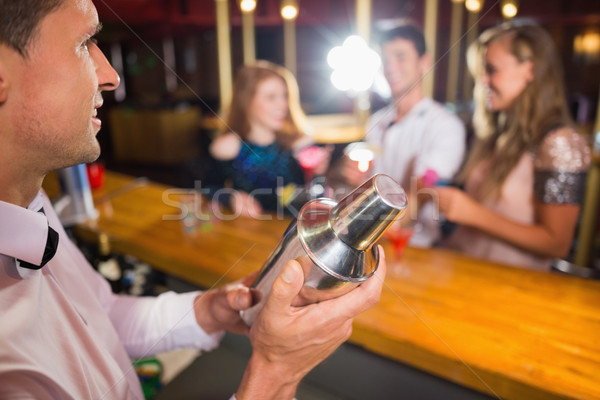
(92, 153)
(86, 156)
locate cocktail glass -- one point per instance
(309, 159)
(399, 235)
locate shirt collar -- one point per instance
(417, 110)
(389, 116)
(421, 107)
(23, 231)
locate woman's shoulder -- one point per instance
(226, 146)
(563, 149)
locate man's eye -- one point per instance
(88, 42)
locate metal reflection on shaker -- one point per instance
(334, 242)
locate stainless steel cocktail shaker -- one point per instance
(333, 242)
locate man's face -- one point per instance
(402, 66)
(57, 89)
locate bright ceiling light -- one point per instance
(247, 5)
(289, 9)
(510, 8)
(289, 12)
(474, 5)
(354, 65)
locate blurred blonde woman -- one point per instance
(264, 126)
(525, 177)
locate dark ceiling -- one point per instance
(138, 24)
(200, 13)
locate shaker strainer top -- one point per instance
(339, 237)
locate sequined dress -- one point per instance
(260, 171)
(553, 173)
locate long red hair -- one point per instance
(245, 85)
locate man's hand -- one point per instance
(289, 341)
(219, 309)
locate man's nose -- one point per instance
(108, 78)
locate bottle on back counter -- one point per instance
(107, 265)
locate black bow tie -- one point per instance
(49, 251)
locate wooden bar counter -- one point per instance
(508, 332)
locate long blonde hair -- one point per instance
(245, 85)
(504, 136)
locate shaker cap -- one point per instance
(339, 237)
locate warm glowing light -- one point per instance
(289, 12)
(587, 45)
(354, 65)
(363, 166)
(510, 8)
(473, 5)
(247, 5)
(362, 153)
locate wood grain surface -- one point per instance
(509, 332)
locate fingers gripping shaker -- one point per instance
(333, 242)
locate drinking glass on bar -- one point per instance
(309, 159)
(399, 235)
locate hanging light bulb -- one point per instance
(289, 9)
(247, 5)
(474, 5)
(510, 8)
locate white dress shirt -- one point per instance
(428, 137)
(64, 334)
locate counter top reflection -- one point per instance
(512, 333)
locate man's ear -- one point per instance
(3, 79)
(7, 64)
(425, 62)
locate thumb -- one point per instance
(286, 287)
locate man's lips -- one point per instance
(95, 119)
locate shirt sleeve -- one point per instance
(144, 325)
(560, 168)
(444, 148)
(151, 325)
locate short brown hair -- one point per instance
(20, 19)
(406, 30)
